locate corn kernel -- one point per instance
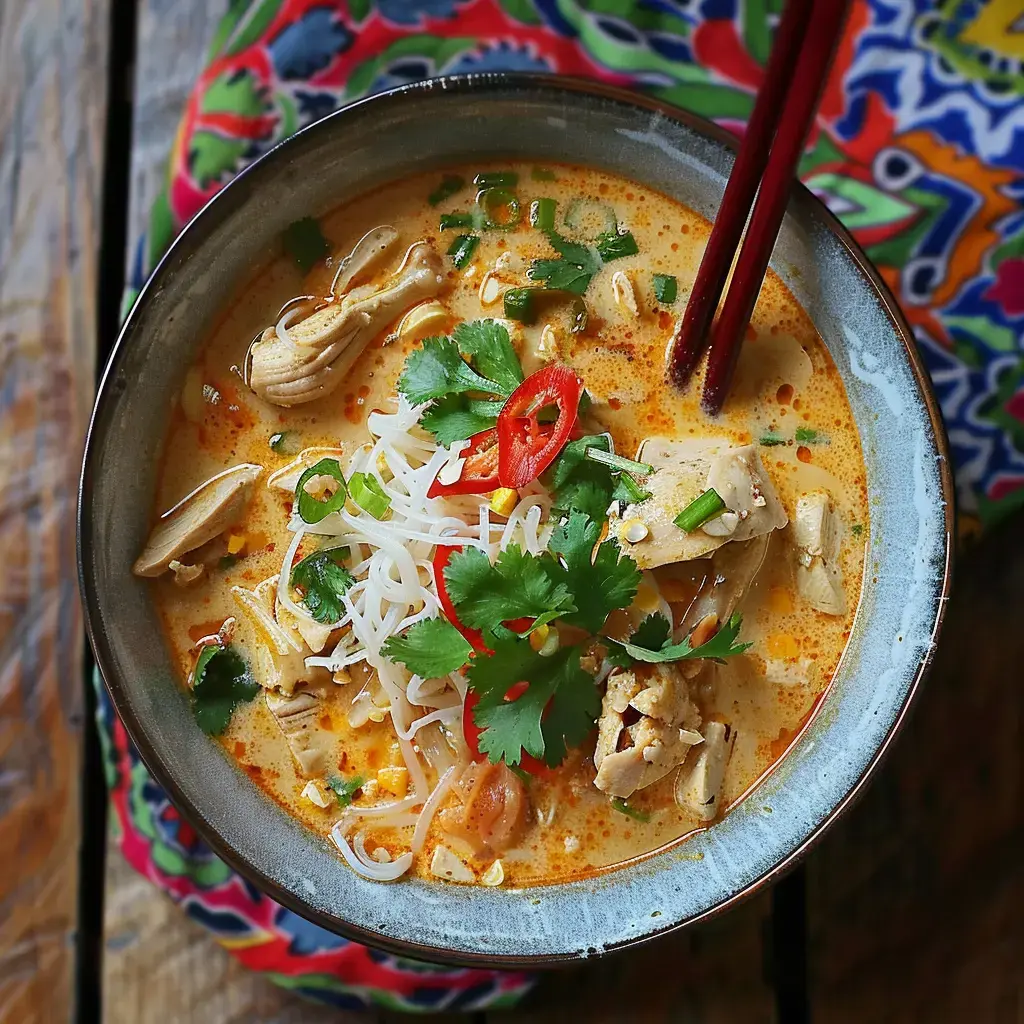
(539, 637)
(504, 500)
(236, 543)
(394, 781)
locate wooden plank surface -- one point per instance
(52, 104)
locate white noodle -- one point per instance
(431, 806)
(446, 715)
(371, 869)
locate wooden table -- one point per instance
(908, 910)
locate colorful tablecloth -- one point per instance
(918, 148)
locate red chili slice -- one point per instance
(479, 471)
(526, 447)
(441, 555)
(472, 732)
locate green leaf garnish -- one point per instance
(311, 509)
(221, 681)
(450, 185)
(771, 439)
(305, 243)
(462, 249)
(579, 483)
(345, 789)
(557, 709)
(630, 812)
(323, 580)
(438, 369)
(572, 272)
(458, 417)
(804, 435)
(613, 245)
(666, 288)
(430, 649)
(542, 214)
(704, 507)
(722, 645)
(367, 493)
(618, 462)
(629, 491)
(489, 347)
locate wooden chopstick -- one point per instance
(810, 55)
(692, 337)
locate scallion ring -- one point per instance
(492, 200)
(312, 510)
(368, 494)
(700, 510)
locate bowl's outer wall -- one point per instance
(905, 579)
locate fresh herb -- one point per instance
(367, 493)
(630, 812)
(324, 580)
(453, 221)
(496, 179)
(450, 184)
(618, 462)
(804, 435)
(438, 369)
(490, 350)
(542, 174)
(770, 439)
(577, 482)
(462, 249)
(517, 585)
(458, 417)
(542, 214)
(666, 288)
(430, 649)
(220, 683)
(312, 510)
(572, 272)
(614, 245)
(857, 529)
(345, 789)
(599, 582)
(722, 645)
(519, 305)
(704, 507)
(493, 201)
(556, 710)
(629, 491)
(305, 243)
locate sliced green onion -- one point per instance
(312, 510)
(633, 491)
(305, 243)
(700, 510)
(858, 529)
(770, 439)
(451, 221)
(542, 214)
(618, 462)
(666, 288)
(519, 305)
(804, 435)
(631, 812)
(345, 789)
(497, 179)
(490, 200)
(542, 174)
(368, 494)
(462, 249)
(613, 245)
(590, 218)
(450, 184)
(227, 561)
(283, 443)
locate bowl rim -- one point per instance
(194, 233)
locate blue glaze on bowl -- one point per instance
(906, 581)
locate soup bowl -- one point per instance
(443, 122)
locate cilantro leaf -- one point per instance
(721, 645)
(805, 435)
(557, 709)
(572, 272)
(430, 649)
(599, 583)
(221, 682)
(579, 483)
(438, 369)
(653, 632)
(458, 417)
(489, 347)
(516, 586)
(345, 789)
(323, 580)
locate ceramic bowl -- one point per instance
(549, 120)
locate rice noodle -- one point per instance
(448, 714)
(368, 868)
(431, 806)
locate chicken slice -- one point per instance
(199, 517)
(313, 360)
(278, 659)
(699, 788)
(298, 716)
(816, 535)
(633, 756)
(682, 471)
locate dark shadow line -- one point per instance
(787, 948)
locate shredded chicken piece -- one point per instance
(298, 715)
(816, 534)
(699, 788)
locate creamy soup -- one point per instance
(452, 572)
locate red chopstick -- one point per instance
(793, 122)
(692, 337)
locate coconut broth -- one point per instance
(786, 380)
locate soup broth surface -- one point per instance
(787, 400)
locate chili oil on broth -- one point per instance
(785, 380)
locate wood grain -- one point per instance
(52, 102)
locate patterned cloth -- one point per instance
(918, 148)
